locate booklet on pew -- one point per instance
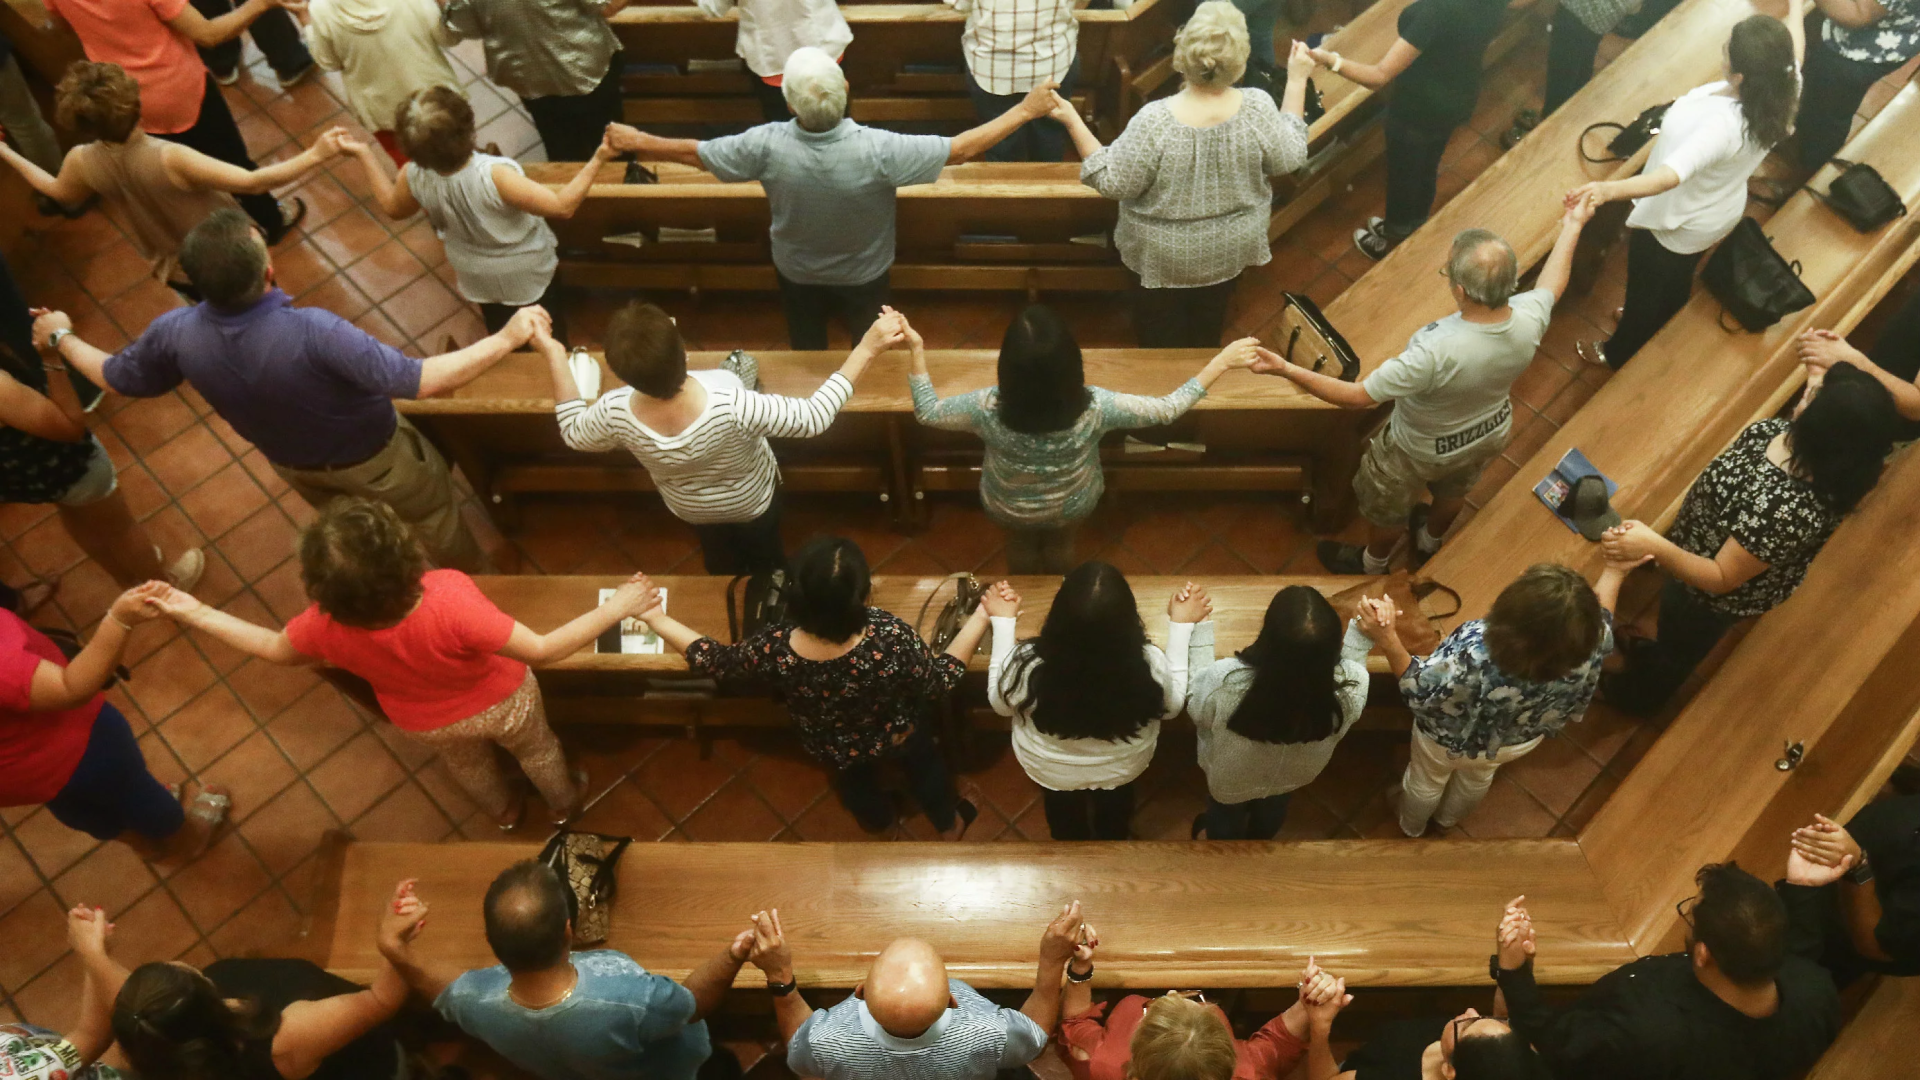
(1554, 487)
(630, 637)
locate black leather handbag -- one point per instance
(755, 602)
(1862, 196)
(1750, 279)
(1627, 138)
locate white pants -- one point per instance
(1446, 786)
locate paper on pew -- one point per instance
(671, 235)
(703, 67)
(632, 239)
(1132, 445)
(586, 373)
(636, 637)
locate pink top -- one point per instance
(438, 665)
(135, 35)
(1269, 1055)
(38, 750)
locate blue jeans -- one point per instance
(1044, 139)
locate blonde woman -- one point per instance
(1192, 176)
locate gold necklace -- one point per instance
(564, 995)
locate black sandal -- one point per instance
(967, 813)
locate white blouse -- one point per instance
(770, 30)
(1703, 139)
(1075, 764)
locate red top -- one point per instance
(135, 35)
(38, 750)
(438, 665)
(1269, 1055)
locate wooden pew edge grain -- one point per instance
(858, 14)
(1882, 1041)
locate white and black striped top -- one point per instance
(972, 1041)
(720, 470)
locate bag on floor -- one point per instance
(1627, 138)
(1862, 196)
(586, 863)
(1312, 342)
(1417, 628)
(755, 602)
(966, 596)
(1750, 279)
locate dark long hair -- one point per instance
(1840, 441)
(1761, 53)
(1043, 386)
(173, 1024)
(1087, 673)
(827, 587)
(1295, 662)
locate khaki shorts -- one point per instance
(1389, 480)
(409, 475)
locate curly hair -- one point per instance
(361, 564)
(98, 102)
(1210, 51)
(435, 128)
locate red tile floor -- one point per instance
(301, 760)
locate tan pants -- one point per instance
(1446, 786)
(518, 725)
(409, 475)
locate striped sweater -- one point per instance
(719, 470)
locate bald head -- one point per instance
(906, 988)
(1484, 267)
(526, 915)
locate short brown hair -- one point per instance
(1181, 1039)
(645, 350)
(361, 563)
(98, 102)
(1543, 625)
(435, 128)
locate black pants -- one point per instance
(1571, 51)
(1833, 89)
(1896, 350)
(496, 316)
(572, 125)
(1090, 813)
(773, 101)
(744, 547)
(1183, 318)
(1255, 819)
(216, 135)
(808, 307)
(275, 32)
(1655, 670)
(1044, 139)
(1414, 150)
(926, 772)
(1659, 283)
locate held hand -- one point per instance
(1082, 958)
(1062, 936)
(1821, 349)
(173, 603)
(740, 949)
(1380, 618)
(1514, 939)
(1039, 100)
(625, 138)
(136, 605)
(1062, 110)
(1630, 541)
(1594, 193)
(908, 334)
(606, 151)
(1000, 601)
(1268, 362)
(544, 343)
(520, 328)
(1626, 566)
(1803, 870)
(404, 916)
(887, 332)
(770, 952)
(1239, 354)
(1826, 842)
(1300, 61)
(637, 597)
(1579, 211)
(331, 143)
(45, 322)
(296, 7)
(1322, 57)
(87, 931)
(1190, 604)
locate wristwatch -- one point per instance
(1493, 967)
(53, 339)
(1073, 978)
(1862, 873)
(782, 989)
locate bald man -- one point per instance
(907, 1020)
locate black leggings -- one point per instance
(1090, 813)
(1659, 283)
(927, 778)
(1689, 630)
(572, 125)
(1176, 318)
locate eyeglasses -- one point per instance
(1190, 995)
(1460, 1026)
(1685, 910)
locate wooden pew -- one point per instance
(1881, 1042)
(501, 431)
(982, 225)
(887, 38)
(1170, 914)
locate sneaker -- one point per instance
(1372, 243)
(1592, 352)
(289, 220)
(1341, 558)
(1416, 521)
(288, 82)
(185, 572)
(229, 78)
(1523, 121)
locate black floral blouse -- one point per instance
(1775, 515)
(850, 709)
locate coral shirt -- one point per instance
(1269, 1055)
(439, 664)
(38, 750)
(135, 35)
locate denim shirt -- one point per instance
(1464, 702)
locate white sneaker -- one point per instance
(185, 572)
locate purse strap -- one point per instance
(1604, 125)
(1425, 587)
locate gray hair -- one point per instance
(1210, 51)
(815, 89)
(1483, 266)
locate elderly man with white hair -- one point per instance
(907, 1020)
(1452, 414)
(830, 183)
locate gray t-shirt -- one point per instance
(621, 1021)
(973, 1041)
(1449, 387)
(831, 192)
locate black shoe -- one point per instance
(1199, 824)
(288, 221)
(1416, 521)
(1523, 121)
(967, 812)
(1341, 558)
(1374, 243)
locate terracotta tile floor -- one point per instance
(302, 760)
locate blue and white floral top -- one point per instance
(1892, 40)
(1464, 702)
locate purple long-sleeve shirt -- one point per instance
(307, 387)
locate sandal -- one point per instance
(209, 809)
(579, 777)
(519, 816)
(1591, 352)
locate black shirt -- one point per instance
(1897, 351)
(1652, 1020)
(1889, 832)
(1442, 84)
(272, 985)
(1396, 1050)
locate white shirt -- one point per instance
(1075, 764)
(1703, 138)
(719, 470)
(771, 29)
(383, 52)
(1013, 46)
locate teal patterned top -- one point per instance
(1051, 479)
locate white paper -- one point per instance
(636, 637)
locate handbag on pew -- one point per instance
(1862, 196)
(586, 863)
(1752, 281)
(1416, 625)
(1627, 138)
(755, 602)
(1312, 342)
(967, 591)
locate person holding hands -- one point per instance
(1857, 887)
(32, 1052)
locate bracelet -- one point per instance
(115, 621)
(54, 339)
(1337, 61)
(782, 989)
(1075, 978)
